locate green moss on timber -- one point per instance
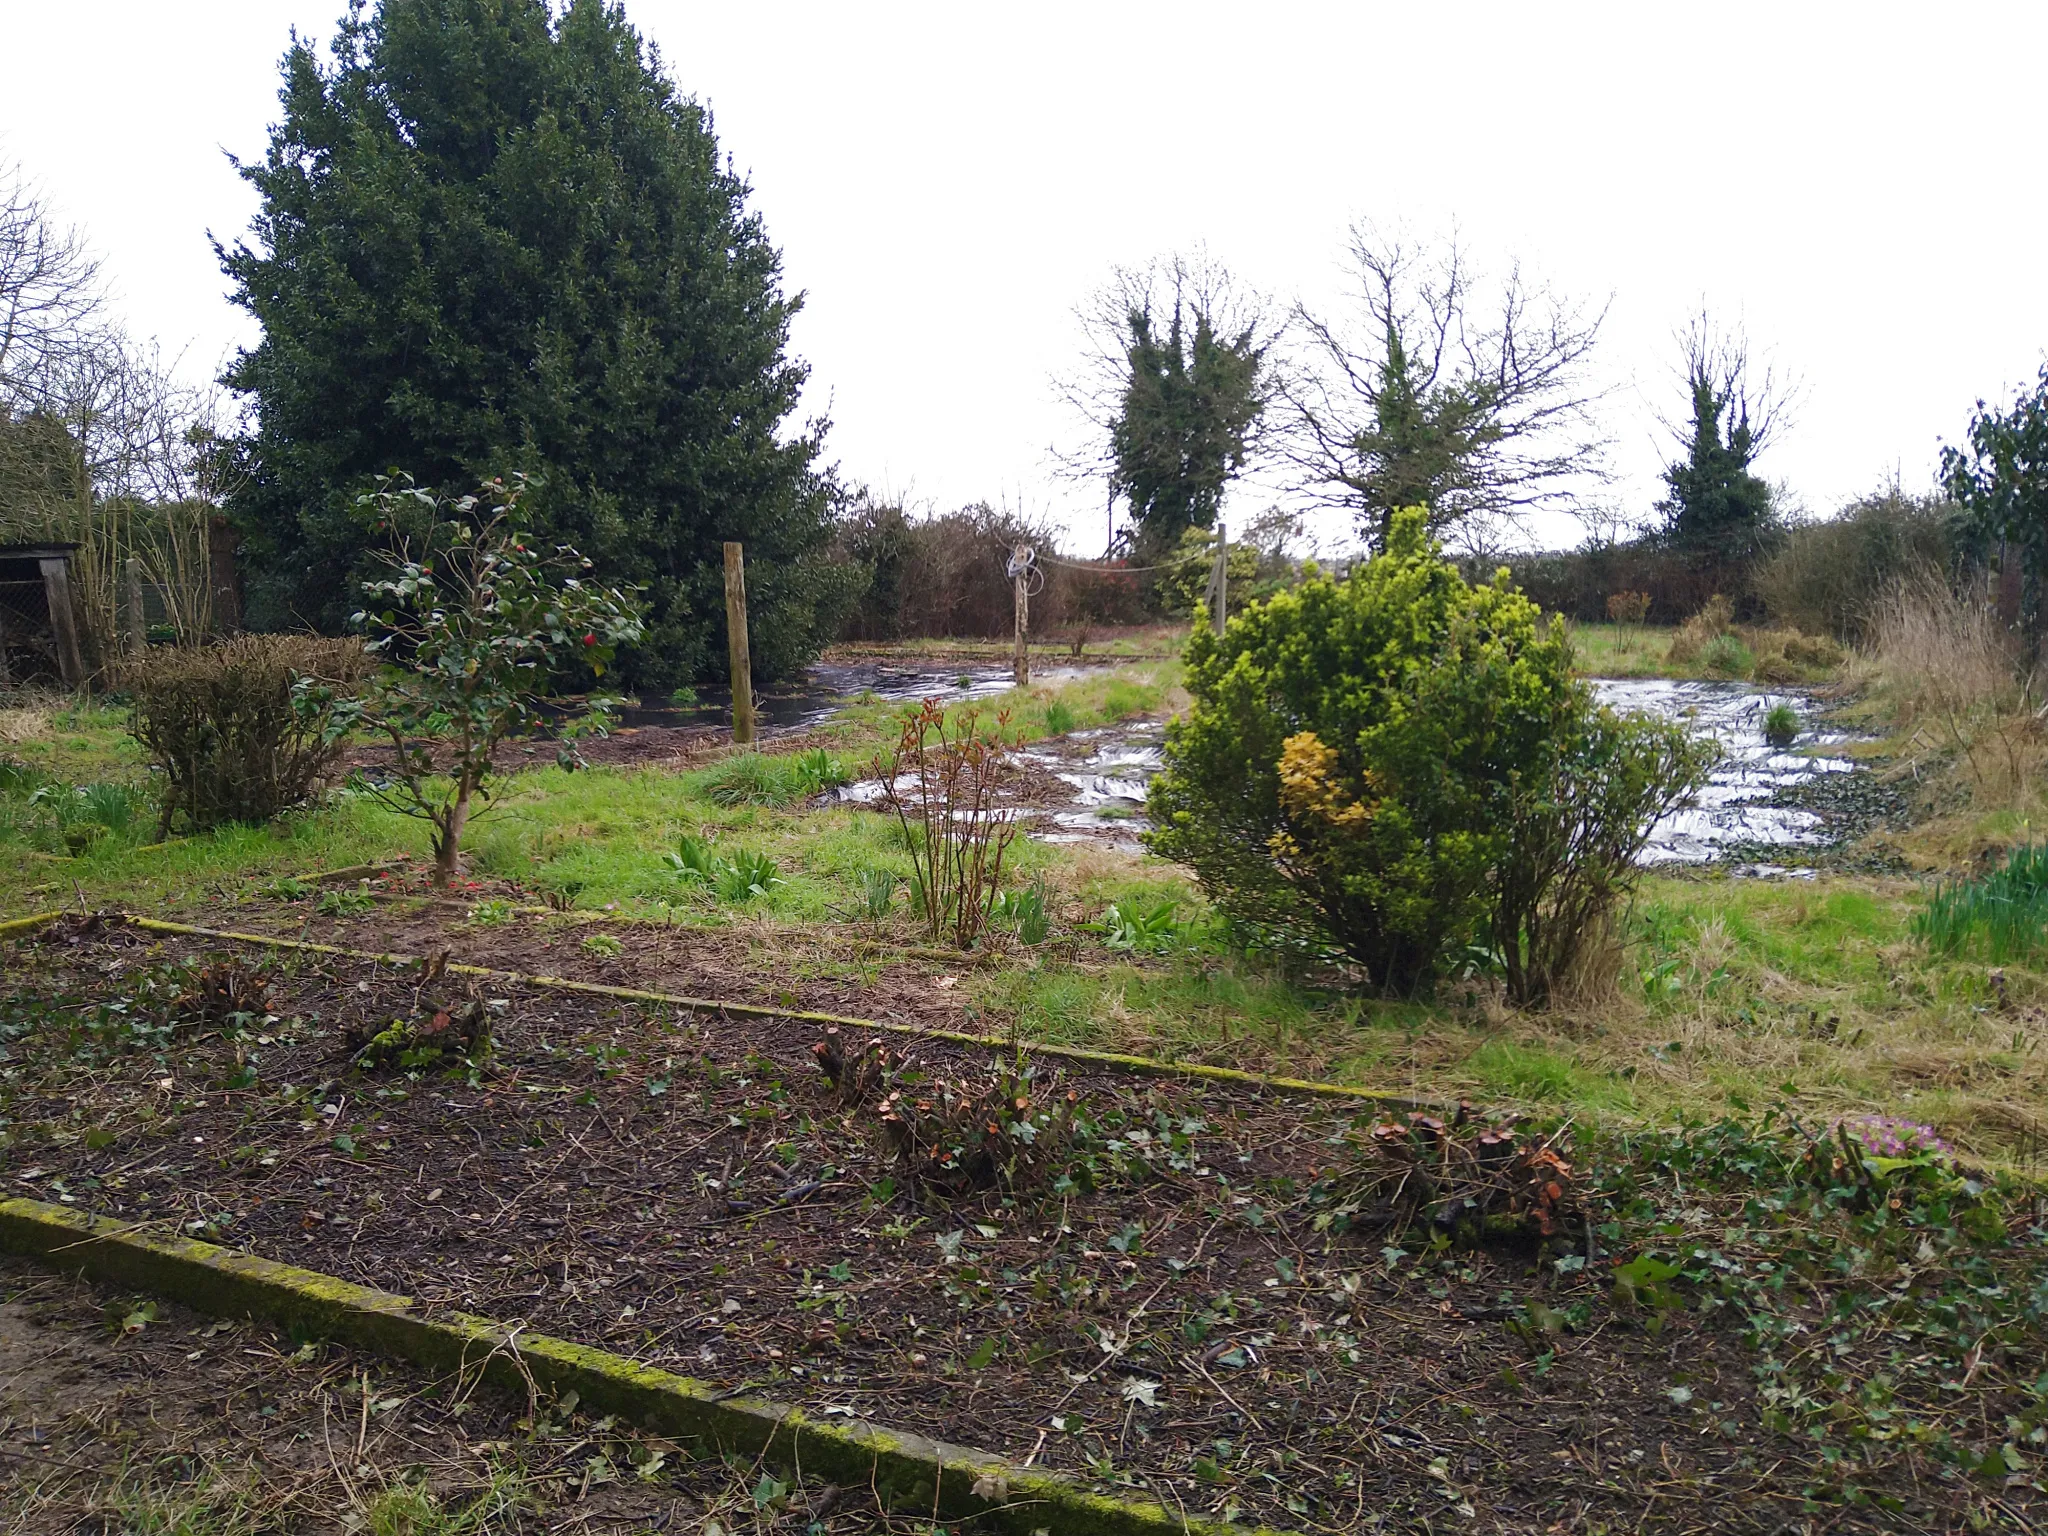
(906, 1469)
(1142, 1066)
(16, 926)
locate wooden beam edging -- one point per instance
(14, 927)
(1115, 1061)
(907, 1471)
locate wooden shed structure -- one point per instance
(38, 622)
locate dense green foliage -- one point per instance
(1427, 443)
(1339, 772)
(2001, 481)
(1186, 583)
(493, 236)
(2002, 915)
(1194, 393)
(1717, 509)
(1400, 765)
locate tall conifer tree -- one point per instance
(495, 237)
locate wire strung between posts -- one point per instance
(1126, 570)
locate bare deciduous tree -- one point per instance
(49, 284)
(101, 443)
(1447, 390)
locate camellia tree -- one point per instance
(473, 621)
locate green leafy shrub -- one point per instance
(1339, 776)
(2002, 915)
(474, 619)
(241, 730)
(1184, 585)
(1397, 764)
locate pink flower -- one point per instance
(1889, 1136)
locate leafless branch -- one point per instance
(1496, 369)
(1746, 389)
(50, 291)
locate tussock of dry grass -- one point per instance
(23, 724)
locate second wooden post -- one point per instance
(1020, 573)
(736, 645)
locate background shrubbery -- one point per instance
(222, 724)
(1831, 578)
(1820, 578)
(1400, 766)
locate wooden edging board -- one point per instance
(1138, 1066)
(908, 1472)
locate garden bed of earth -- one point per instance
(124, 1414)
(1179, 1299)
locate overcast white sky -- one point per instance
(1858, 184)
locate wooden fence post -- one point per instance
(138, 621)
(1020, 574)
(224, 582)
(1222, 576)
(63, 620)
(736, 646)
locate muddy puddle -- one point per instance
(1756, 814)
(829, 687)
(1755, 801)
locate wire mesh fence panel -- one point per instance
(28, 649)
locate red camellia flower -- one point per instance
(590, 639)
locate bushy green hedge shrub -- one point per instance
(1831, 578)
(221, 723)
(1401, 765)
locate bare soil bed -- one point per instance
(120, 1414)
(1181, 1291)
